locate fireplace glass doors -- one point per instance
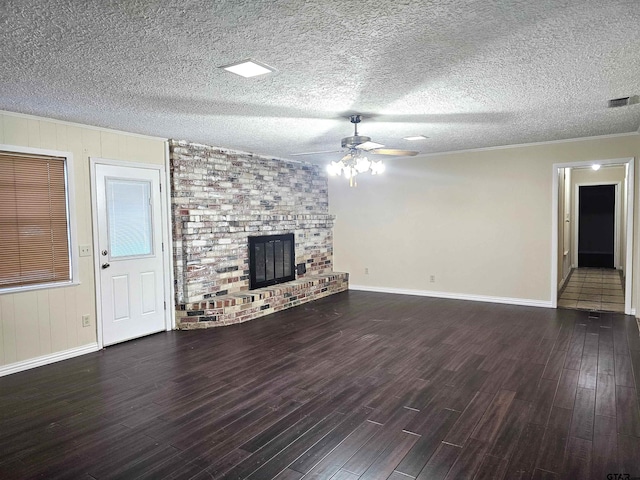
(271, 260)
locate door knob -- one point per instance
(105, 265)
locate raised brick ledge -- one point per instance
(243, 306)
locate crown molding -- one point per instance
(534, 144)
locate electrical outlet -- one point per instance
(85, 250)
(366, 270)
(86, 320)
(432, 279)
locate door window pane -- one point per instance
(129, 217)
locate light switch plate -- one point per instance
(85, 250)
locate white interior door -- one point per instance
(130, 252)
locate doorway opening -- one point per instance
(592, 235)
(596, 225)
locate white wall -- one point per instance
(565, 222)
(43, 322)
(480, 221)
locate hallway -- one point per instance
(593, 289)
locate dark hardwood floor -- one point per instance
(354, 386)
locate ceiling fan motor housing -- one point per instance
(354, 141)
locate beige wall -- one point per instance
(480, 221)
(42, 322)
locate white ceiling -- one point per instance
(467, 74)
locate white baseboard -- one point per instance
(564, 280)
(455, 296)
(47, 359)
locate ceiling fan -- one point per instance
(361, 142)
(356, 159)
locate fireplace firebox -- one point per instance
(271, 260)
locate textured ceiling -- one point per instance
(467, 74)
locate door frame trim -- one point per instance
(629, 260)
(165, 221)
(616, 220)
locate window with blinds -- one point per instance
(34, 223)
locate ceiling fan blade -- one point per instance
(368, 146)
(313, 153)
(394, 151)
(346, 157)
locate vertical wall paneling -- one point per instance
(61, 137)
(16, 131)
(26, 324)
(57, 315)
(2, 345)
(110, 146)
(33, 131)
(71, 317)
(8, 328)
(44, 322)
(48, 136)
(85, 304)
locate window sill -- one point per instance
(41, 286)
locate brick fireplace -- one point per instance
(219, 199)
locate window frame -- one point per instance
(74, 253)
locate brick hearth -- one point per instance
(243, 306)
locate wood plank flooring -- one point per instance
(354, 386)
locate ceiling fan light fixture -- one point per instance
(355, 162)
(349, 172)
(248, 68)
(359, 148)
(362, 164)
(334, 168)
(377, 167)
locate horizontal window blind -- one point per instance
(34, 228)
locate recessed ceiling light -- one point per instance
(415, 137)
(248, 68)
(595, 166)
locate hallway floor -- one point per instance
(593, 289)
